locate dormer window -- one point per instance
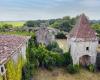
(87, 48)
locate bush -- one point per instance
(67, 58)
(61, 35)
(54, 47)
(28, 71)
(72, 69)
(91, 67)
(58, 59)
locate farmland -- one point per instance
(13, 23)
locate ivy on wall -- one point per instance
(1, 78)
(14, 70)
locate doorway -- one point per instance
(84, 60)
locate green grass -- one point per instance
(18, 33)
(14, 23)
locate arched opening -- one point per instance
(84, 60)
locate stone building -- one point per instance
(45, 35)
(11, 47)
(83, 42)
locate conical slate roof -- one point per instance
(82, 29)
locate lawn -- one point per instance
(62, 74)
(14, 23)
(63, 44)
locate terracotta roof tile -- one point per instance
(9, 44)
(82, 29)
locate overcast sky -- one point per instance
(47, 9)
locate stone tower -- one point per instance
(83, 42)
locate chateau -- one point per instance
(83, 42)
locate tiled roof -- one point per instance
(8, 45)
(82, 29)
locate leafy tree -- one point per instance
(64, 24)
(31, 24)
(54, 47)
(42, 56)
(96, 27)
(7, 26)
(27, 73)
(68, 58)
(34, 23)
(61, 35)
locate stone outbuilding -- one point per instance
(83, 42)
(11, 47)
(45, 35)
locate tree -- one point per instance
(64, 24)
(31, 24)
(7, 26)
(54, 47)
(34, 23)
(61, 35)
(96, 27)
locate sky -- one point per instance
(14, 10)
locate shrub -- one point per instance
(67, 58)
(61, 35)
(58, 59)
(54, 47)
(91, 67)
(72, 69)
(48, 62)
(28, 71)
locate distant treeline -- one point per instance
(64, 24)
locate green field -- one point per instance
(18, 33)
(14, 23)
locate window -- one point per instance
(2, 70)
(99, 41)
(87, 48)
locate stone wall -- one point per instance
(78, 49)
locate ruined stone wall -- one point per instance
(78, 49)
